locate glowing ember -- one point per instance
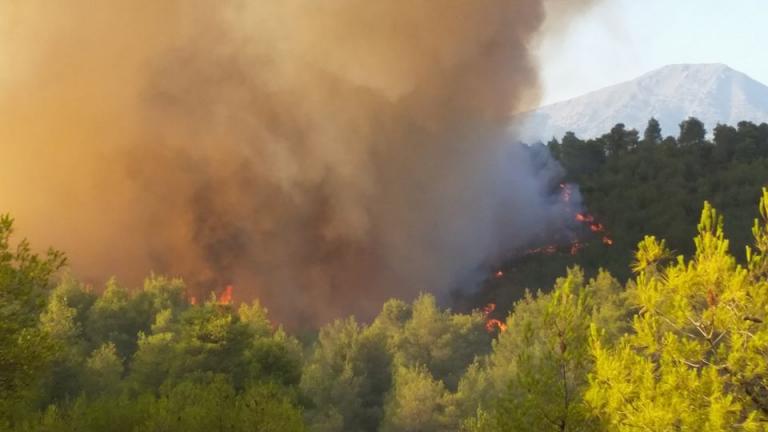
(607, 240)
(499, 274)
(225, 297)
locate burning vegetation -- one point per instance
(505, 285)
(225, 298)
(492, 325)
(578, 236)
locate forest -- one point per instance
(635, 184)
(663, 329)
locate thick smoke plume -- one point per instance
(320, 155)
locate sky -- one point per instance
(619, 40)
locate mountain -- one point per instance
(714, 93)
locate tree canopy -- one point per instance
(654, 186)
(678, 341)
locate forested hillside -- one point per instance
(640, 183)
(681, 346)
(647, 184)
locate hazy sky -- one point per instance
(622, 39)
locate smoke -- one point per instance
(320, 155)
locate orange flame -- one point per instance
(492, 324)
(193, 300)
(499, 274)
(595, 227)
(582, 217)
(225, 297)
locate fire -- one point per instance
(491, 323)
(225, 297)
(588, 220)
(494, 323)
(595, 227)
(499, 274)
(193, 300)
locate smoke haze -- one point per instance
(320, 155)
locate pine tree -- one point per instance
(539, 367)
(696, 358)
(652, 133)
(25, 348)
(692, 132)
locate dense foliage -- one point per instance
(647, 185)
(640, 183)
(682, 345)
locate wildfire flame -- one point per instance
(595, 227)
(491, 324)
(193, 300)
(225, 297)
(575, 245)
(494, 323)
(498, 274)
